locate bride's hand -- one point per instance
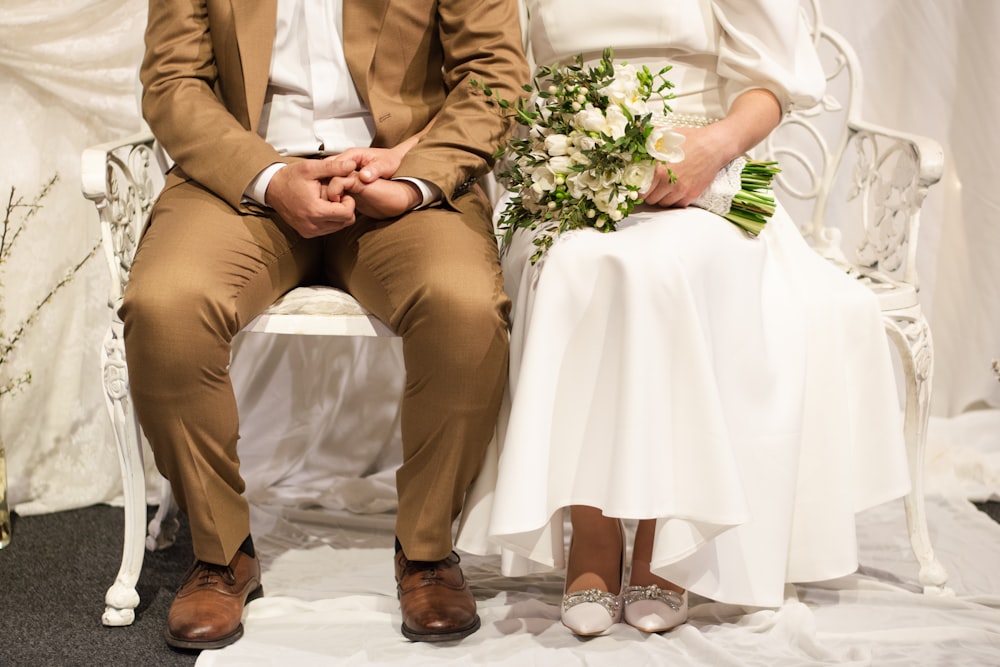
(705, 153)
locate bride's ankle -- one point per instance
(642, 553)
(595, 553)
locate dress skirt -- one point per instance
(737, 390)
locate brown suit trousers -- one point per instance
(209, 263)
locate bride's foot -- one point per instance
(592, 603)
(652, 604)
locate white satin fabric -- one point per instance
(739, 391)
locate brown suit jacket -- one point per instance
(206, 67)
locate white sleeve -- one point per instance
(766, 44)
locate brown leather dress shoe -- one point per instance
(435, 600)
(208, 609)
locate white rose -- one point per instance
(664, 144)
(639, 175)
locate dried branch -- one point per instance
(7, 244)
(9, 234)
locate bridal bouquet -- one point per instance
(592, 140)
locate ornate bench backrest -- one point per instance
(123, 179)
(854, 188)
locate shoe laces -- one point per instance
(427, 568)
(207, 574)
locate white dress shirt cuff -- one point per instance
(428, 191)
(257, 190)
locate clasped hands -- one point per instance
(319, 197)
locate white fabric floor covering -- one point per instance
(330, 597)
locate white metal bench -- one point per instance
(830, 157)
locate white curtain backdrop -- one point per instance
(67, 80)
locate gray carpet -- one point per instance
(53, 576)
(52, 581)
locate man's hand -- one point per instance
(312, 195)
(383, 198)
(374, 163)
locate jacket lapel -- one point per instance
(362, 26)
(254, 22)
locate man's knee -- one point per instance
(173, 325)
(469, 307)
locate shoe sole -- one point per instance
(455, 635)
(218, 642)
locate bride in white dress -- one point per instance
(733, 394)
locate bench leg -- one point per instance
(912, 338)
(122, 598)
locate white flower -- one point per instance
(543, 180)
(624, 87)
(557, 144)
(611, 123)
(579, 159)
(560, 164)
(609, 200)
(624, 91)
(664, 144)
(585, 142)
(616, 121)
(639, 175)
(590, 119)
(529, 200)
(583, 184)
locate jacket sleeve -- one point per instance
(480, 40)
(182, 94)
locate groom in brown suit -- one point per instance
(331, 140)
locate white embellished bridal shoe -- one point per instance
(592, 611)
(654, 609)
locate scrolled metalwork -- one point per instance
(886, 179)
(129, 197)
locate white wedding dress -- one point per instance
(737, 390)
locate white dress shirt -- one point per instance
(312, 106)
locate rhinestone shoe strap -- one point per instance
(610, 601)
(636, 593)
